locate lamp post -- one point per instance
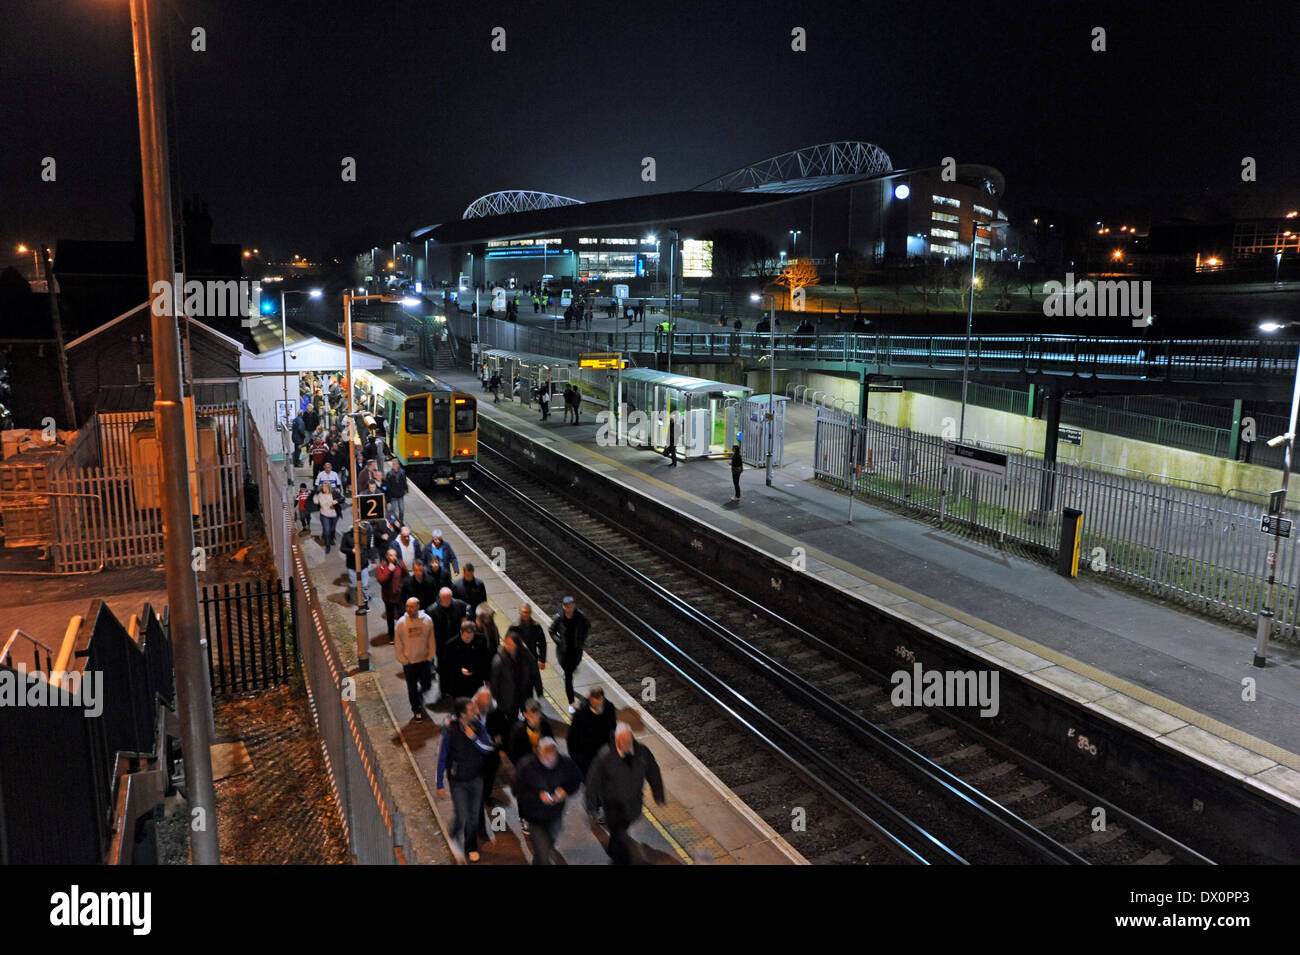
(1277, 270)
(193, 688)
(970, 318)
(771, 379)
(1264, 623)
(794, 242)
(837, 269)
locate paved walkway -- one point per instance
(702, 818)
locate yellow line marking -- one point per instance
(1109, 680)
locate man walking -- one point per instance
(514, 674)
(671, 450)
(592, 729)
(577, 402)
(395, 487)
(543, 784)
(569, 630)
(531, 635)
(413, 644)
(470, 589)
(616, 782)
(462, 759)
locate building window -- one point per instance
(984, 211)
(945, 201)
(938, 249)
(943, 233)
(944, 217)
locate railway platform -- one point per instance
(1170, 675)
(702, 820)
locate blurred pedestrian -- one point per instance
(616, 783)
(486, 625)
(569, 631)
(531, 635)
(497, 726)
(468, 664)
(737, 468)
(349, 551)
(461, 760)
(592, 728)
(543, 784)
(420, 586)
(304, 508)
(396, 485)
(514, 674)
(442, 550)
(328, 507)
(527, 732)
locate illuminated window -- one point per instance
(943, 249)
(945, 201)
(697, 259)
(944, 217)
(984, 211)
(943, 233)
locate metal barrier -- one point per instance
(1202, 549)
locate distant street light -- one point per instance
(837, 268)
(970, 316)
(794, 241)
(1277, 271)
(1264, 623)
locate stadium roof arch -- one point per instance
(806, 169)
(509, 201)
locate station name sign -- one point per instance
(610, 360)
(992, 463)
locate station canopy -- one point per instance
(681, 383)
(529, 358)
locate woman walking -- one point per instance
(328, 506)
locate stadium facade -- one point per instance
(809, 203)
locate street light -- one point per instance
(970, 317)
(1278, 270)
(771, 379)
(1264, 623)
(837, 269)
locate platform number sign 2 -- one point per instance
(370, 507)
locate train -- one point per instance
(429, 425)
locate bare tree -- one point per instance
(854, 269)
(798, 273)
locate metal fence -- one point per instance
(250, 636)
(1202, 549)
(106, 503)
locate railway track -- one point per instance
(801, 731)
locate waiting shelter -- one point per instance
(650, 396)
(531, 368)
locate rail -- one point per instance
(961, 794)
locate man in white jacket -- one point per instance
(413, 641)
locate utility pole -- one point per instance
(193, 692)
(363, 634)
(56, 320)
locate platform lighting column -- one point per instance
(1264, 623)
(771, 387)
(193, 690)
(363, 636)
(975, 225)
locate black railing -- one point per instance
(59, 764)
(251, 638)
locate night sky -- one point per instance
(1159, 121)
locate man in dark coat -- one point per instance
(531, 635)
(527, 732)
(515, 677)
(299, 433)
(466, 662)
(437, 573)
(497, 726)
(420, 586)
(569, 630)
(447, 613)
(544, 783)
(470, 589)
(592, 729)
(616, 782)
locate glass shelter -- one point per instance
(701, 407)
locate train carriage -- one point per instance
(431, 426)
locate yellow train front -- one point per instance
(431, 427)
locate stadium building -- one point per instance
(813, 203)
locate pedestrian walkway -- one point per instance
(702, 817)
(1176, 675)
